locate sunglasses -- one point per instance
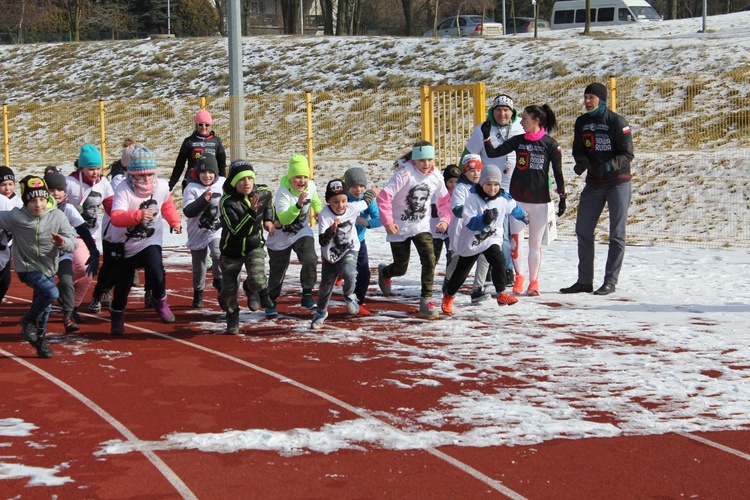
(204, 124)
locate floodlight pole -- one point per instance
(169, 19)
(705, 8)
(236, 89)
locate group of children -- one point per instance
(235, 221)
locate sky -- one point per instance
(675, 334)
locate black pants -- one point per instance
(151, 261)
(5, 275)
(494, 255)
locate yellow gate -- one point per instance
(449, 113)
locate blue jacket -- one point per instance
(371, 215)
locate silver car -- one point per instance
(467, 25)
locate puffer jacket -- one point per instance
(241, 226)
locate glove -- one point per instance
(561, 206)
(369, 196)
(525, 220)
(489, 216)
(580, 168)
(486, 126)
(92, 264)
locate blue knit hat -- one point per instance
(89, 157)
(142, 161)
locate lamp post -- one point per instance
(169, 20)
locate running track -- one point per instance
(160, 380)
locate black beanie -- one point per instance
(55, 179)
(33, 187)
(597, 89)
(207, 163)
(451, 172)
(334, 188)
(6, 174)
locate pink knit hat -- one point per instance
(203, 116)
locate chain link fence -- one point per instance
(691, 183)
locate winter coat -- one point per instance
(498, 135)
(192, 149)
(204, 218)
(603, 145)
(241, 226)
(33, 249)
(295, 221)
(476, 236)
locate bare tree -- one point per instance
(112, 16)
(75, 13)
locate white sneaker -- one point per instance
(352, 306)
(318, 320)
(428, 308)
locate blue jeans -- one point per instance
(45, 294)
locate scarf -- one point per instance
(142, 188)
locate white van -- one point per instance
(572, 13)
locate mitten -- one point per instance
(369, 196)
(486, 126)
(92, 264)
(489, 216)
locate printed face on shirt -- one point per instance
(416, 202)
(37, 205)
(58, 194)
(7, 188)
(299, 182)
(590, 102)
(491, 188)
(473, 175)
(93, 173)
(425, 165)
(502, 115)
(245, 185)
(357, 190)
(338, 203)
(207, 177)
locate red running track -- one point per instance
(160, 380)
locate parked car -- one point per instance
(468, 25)
(525, 25)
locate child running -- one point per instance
(404, 211)
(9, 200)
(482, 233)
(246, 209)
(339, 247)
(40, 233)
(140, 205)
(441, 239)
(529, 186)
(293, 201)
(57, 187)
(200, 204)
(355, 180)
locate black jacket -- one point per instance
(603, 145)
(241, 226)
(194, 147)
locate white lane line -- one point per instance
(492, 483)
(168, 473)
(713, 444)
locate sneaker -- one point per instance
(352, 306)
(106, 299)
(28, 330)
(318, 320)
(510, 276)
(518, 284)
(428, 308)
(271, 312)
(148, 299)
(42, 348)
(447, 305)
(383, 282)
(578, 288)
(605, 289)
(307, 301)
(197, 298)
(533, 290)
(478, 295)
(506, 300)
(95, 306)
(253, 301)
(69, 324)
(363, 312)
(265, 299)
(77, 317)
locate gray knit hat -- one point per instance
(355, 176)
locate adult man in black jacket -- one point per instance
(602, 147)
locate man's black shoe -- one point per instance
(605, 289)
(578, 288)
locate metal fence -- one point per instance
(691, 133)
